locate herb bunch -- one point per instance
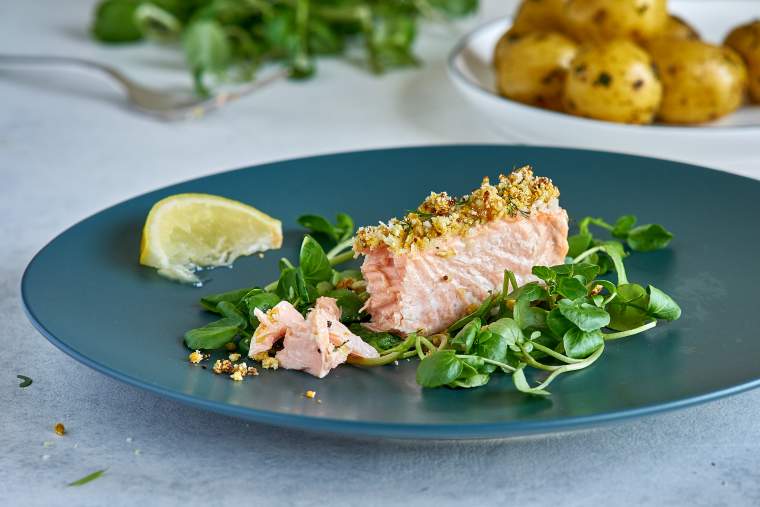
(233, 38)
(558, 324)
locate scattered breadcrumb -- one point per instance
(237, 376)
(234, 356)
(59, 429)
(270, 363)
(195, 357)
(261, 255)
(519, 193)
(260, 356)
(310, 394)
(236, 371)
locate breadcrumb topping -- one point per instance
(519, 193)
(236, 371)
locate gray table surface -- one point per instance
(68, 148)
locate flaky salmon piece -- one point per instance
(316, 344)
(432, 267)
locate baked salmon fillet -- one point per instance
(433, 266)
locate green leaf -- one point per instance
(381, 341)
(260, 299)
(157, 23)
(530, 292)
(211, 301)
(317, 223)
(557, 323)
(465, 338)
(629, 308)
(527, 316)
(212, 336)
(578, 244)
(623, 226)
(87, 478)
(353, 274)
(349, 303)
(581, 344)
(586, 270)
(521, 383)
(207, 50)
(508, 329)
(438, 369)
(646, 238)
(455, 8)
(477, 380)
(662, 306)
(25, 381)
(345, 226)
(584, 315)
(115, 21)
(314, 262)
(482, 312)
(571, 288)
(491, 346)
(230, 311)
(244, 345)
(544, 273)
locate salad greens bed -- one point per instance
(559, 324)
(233, 38)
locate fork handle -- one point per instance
(12, 59)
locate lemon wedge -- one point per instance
(186, 232)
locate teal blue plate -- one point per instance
(87, 294)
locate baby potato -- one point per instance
(678, 28)
(538, 15)
(613, 82)
(603, 20)
(531, 68)
(745, 40)
(701, 82)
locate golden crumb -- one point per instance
(270, 363)
(59, 429)
(519, 193)
(310, 394)
(195, 357)
(234, 356)
(236, 376)
(260, 356)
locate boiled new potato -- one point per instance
(745, 40)
(531, 68)
(538, 15)
(701, 82)
(603, 20)
(614, 82)
(678, 28)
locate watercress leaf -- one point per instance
(319, 224)
(349, 303)
(454, 8)
(477, 380)
(439, 368)
(623, 225)
(662, 306)
(157, 23)
(284, 264)
(584, 315)
(234, 296)
(345, 226)
(115, 21)
(571, 288)
(521, 383)
(381, 341)
(586, 270)
(578, 244)
(353, 274)
(472, 362)
(527, 316)
(464, 339)
(286, 285)
(260, 299)
(212, 336)
(581, 344)
(491, 346)
(314, 262)
(244, 345)
(544, 273)
(323, 288)
(507, 329)
(646, 238)
(629, 308)
(557, 323)
(230, 311)
(207, 50)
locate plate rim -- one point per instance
(460, 79)
(427, 431)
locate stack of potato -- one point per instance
(626, 61)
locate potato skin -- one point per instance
(604, 20)
(613, 82)
(745, 40)
(678, 28)
(531, 68)
(701, 82)
(538, 15)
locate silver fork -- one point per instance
(162, 104)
